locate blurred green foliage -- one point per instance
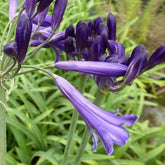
(38, 116)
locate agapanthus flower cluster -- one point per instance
(93, 49)
(33, 19)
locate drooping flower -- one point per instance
(12, 8)
(106, 126)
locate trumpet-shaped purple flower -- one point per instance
(102, 124)
(12, 8)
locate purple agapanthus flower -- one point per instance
(103, 125)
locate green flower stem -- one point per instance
(2, 126)
(73, 123)
(98, 101)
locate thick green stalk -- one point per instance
(73, 123)
(98, 101)
(2, 126)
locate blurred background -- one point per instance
(38, 116)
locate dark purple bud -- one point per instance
(116, 48)
(29, 6)
(97, 49)
(10, 49)
(23, 33)
(58, 12)
(136, 65)
(70, 31)
(82, 33)
(102, 30)
(45, 23)
(69, 47)
(111, 23)
(157, 57)
(12, 8)
(97, 22)
(43, 4)
(90, 26)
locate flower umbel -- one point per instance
(108, 126)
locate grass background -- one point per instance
(38, 116)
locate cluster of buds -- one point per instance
(93, 49)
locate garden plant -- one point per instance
(70, 91)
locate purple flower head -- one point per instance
(12, 8)
(10, 49)
(58, 13)
(103, 125)
(23, 33)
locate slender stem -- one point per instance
(11, 67)
(73, 124)
(51, 74)
(2, 125)
(98, 101)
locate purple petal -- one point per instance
(23, 33)
(93, 67)
(157, 57)
(58, 13)
(111, 23)
(108, 126)
(12, 8)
